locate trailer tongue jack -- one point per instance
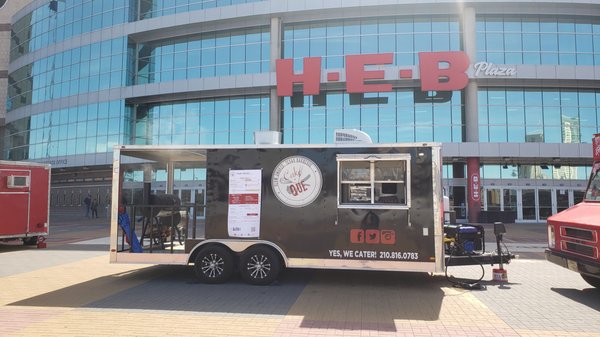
(499, 274)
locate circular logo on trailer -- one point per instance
(297, 181)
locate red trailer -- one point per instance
(24, 196)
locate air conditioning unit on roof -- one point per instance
(267, 137)
(351, 136)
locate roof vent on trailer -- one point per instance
(351, 136)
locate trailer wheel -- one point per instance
(213, 264)
(30, 241)
(259, 265)
(592, 280)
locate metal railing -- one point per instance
(161, 227)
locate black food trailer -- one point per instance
(262, 208)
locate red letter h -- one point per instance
(311, 78)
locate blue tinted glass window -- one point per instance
(70, 131)
(386, 117)
(206, 55)
(68, 73)
(537, 40)
(46, 24)
(334, 39)
(549, 115)
(208, 121)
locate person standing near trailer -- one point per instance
(87, 202)
(94, 208)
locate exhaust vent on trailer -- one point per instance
(351, 136)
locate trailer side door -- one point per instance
(14, 201)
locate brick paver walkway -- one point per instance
(71, 290)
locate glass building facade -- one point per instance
(59, 20)
(89, 68)
(206, 55)
(538, 115)
(535, 39)
(405, 37)
(155, 8)
(92, 128)
(387, 117)
(87, 75)
(207, 121)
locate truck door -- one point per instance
(14, 201)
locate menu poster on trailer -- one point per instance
(243, 215)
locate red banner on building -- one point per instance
(473, 189)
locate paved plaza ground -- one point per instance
(70, 289)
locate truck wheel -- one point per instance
(30, 241)
(592, 280)
(259, 265)
(213, 264)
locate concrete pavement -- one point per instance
(70, 289)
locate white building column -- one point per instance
(469, 36)
(469, 39)
(275, 101)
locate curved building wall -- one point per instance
(86, 75)
(59, 20)
(89, 68)
(7, 10)
(213, 54)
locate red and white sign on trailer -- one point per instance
(243, 216)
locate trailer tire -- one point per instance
(259, 265)
(213, 264)
(592, 280)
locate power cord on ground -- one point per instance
(466, 284)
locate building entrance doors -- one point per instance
(532, 204)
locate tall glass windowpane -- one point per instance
(206, 55)
(404, 37)
(399, 116)
(528, 115)
(69, 73)
(535, 39)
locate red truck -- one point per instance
(574, 234)
(24, 195)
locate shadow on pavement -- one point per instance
(369, 300)
(14, 247)
(175, 288)
(6, 248)
(81, 247)
(373, 299)
(588, 296)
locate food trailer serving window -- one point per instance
(374, 181)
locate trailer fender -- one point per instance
(238, 246)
